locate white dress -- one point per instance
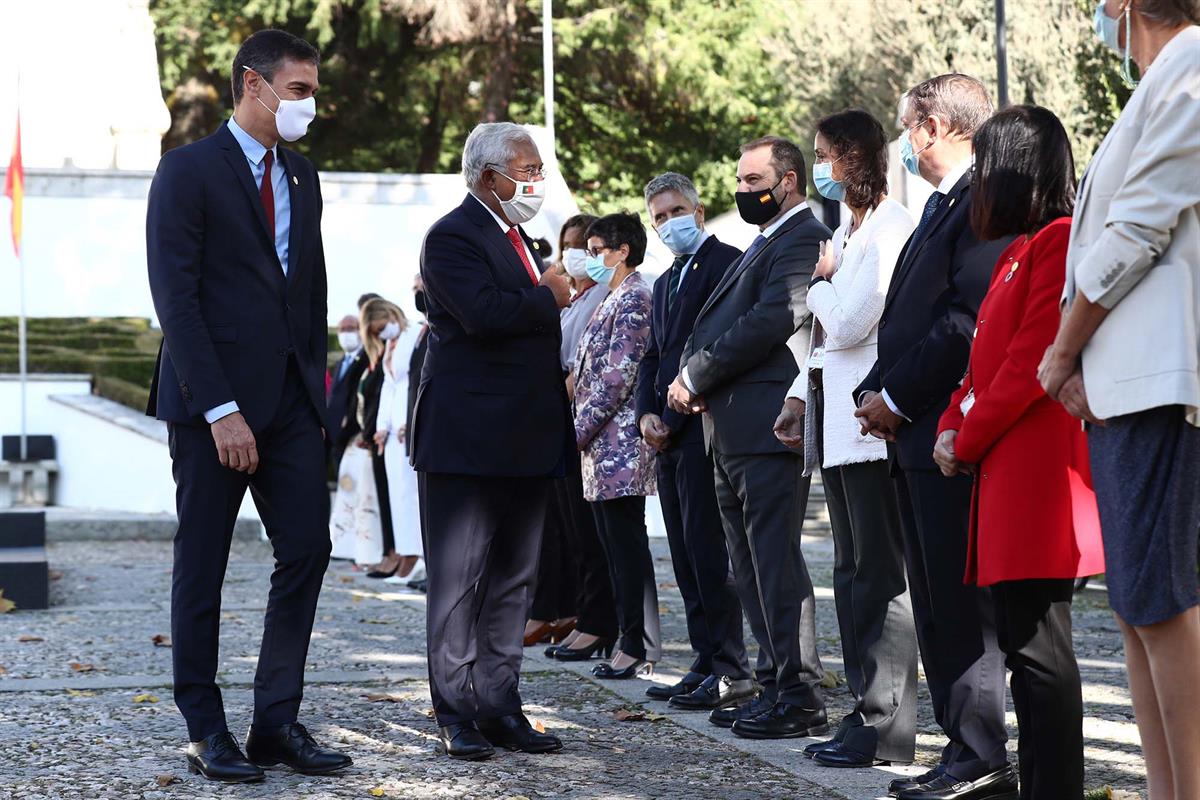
(393, 417)
(355, 528)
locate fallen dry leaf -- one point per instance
(384, 698)
(376, 621)
(81, 693)
(167, 780)
(75, 665)
(429, 714)
(538, 726)
(347, 579)
(161, 640)
(145, 698)
(377, 792)
(55, 575)
(3, 671)
(29, 637)
(831, 679)
(625, 715)
(6, 605)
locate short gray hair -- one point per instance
(672, 182)
(491, 143)
(962, 101)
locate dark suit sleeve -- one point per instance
(318, 347)
(175, 229)
(780, 311)
(646, 394)
(936, 364)
(869, 384)
(454, 274)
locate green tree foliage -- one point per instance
(642, 86)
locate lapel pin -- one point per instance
(952, 199)
(1012, 271)
(295, 181)
(696, 266)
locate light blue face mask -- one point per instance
(598, 272)
(907, 155)
(681, 234)
(1108, 30)
(826, 185)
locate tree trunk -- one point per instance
(500, 80)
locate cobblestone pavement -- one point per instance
(107, 728)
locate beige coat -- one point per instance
(1135, 244)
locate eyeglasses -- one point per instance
(531, 173)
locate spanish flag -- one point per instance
(14, 188)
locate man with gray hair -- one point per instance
(719, 674)
(925, 338)
(491, 427)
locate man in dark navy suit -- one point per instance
(719, 674)
(237, 272)
(342, 399)
(491, 428)
(925, 338)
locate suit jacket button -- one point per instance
(882, 324)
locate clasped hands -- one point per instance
(1062, 379)
(876, 418)
(683, 400)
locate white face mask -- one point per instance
(293, 116)
(349, 341)
(390, 331)
(526, 200)
(575, 262)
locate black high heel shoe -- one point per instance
(593, 650)
(606, 672)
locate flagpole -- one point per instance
(22, 354)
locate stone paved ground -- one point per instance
(68, 733)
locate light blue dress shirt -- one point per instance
(255, 152)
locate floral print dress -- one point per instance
(616, 461)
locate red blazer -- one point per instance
(1033, 512)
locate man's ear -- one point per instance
(700, 215)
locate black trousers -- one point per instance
(482, 536)
(385, 500)
(621, 523)
(875, 619)
(594, 596)
(290, 493)
(556, 589)
(1033, 620)
(762, 500)
(688, 496)
(956, 626)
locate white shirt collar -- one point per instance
(504, 226)
(953, 175)
(250, 146)
(777, 224)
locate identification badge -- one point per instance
(816, 359)
(968, 403)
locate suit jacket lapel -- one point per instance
(495, 237)
(953, 197)
(237, 162)
(741, 265)
(670, 319)
(296, 228)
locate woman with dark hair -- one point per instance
(617, 464)
(573, 604)
(1034, 525)
(846, 297)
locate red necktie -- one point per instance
(519, 245)
(267, 193)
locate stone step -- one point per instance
(77, 525)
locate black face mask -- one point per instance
(759, 206)
(419, 298)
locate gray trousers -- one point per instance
(482, 537)
(762, 500)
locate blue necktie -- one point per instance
(754, 247)
(931, 207)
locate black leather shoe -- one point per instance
(845, 758)
(685, 686)
(463, 740)
(601, 648)
(515, 733)
(715, 692)
(813, 749)
(293, 746)
(218, 758)
(998, 785)
(783, 721)
(725, 717)
(900, 784)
